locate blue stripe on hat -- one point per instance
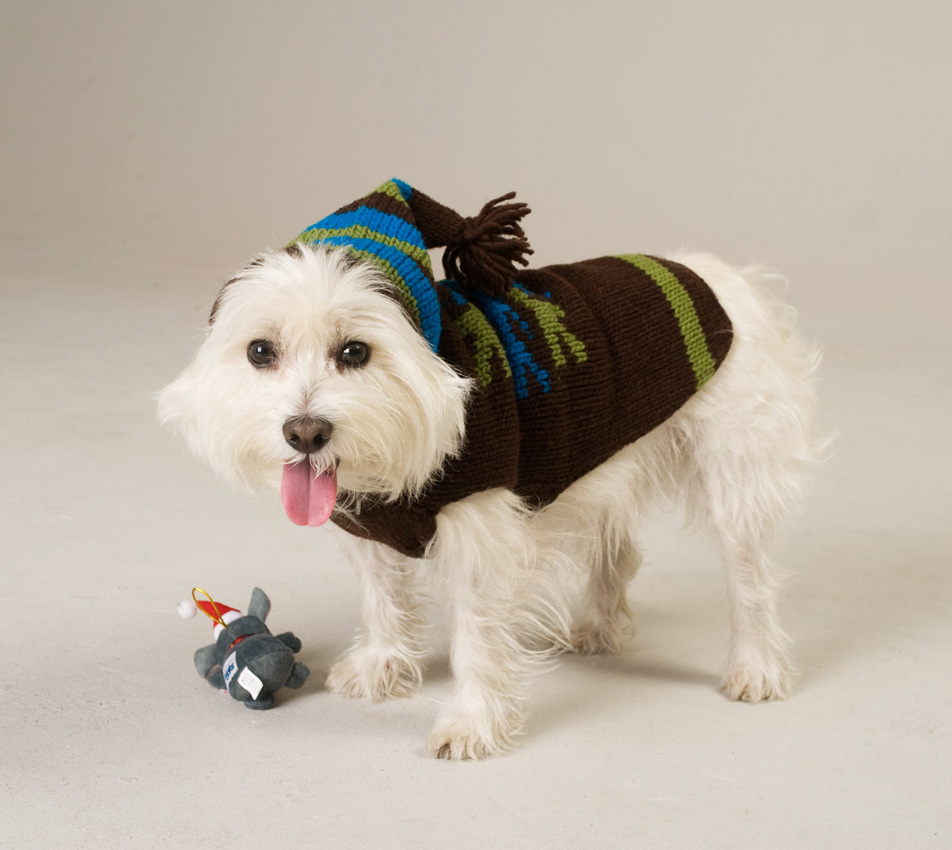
(405, 188)
(418, 284)
(398, 247)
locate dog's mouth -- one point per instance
(308, 495)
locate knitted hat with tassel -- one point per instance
(393, 227)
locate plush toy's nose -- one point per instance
(307, 434)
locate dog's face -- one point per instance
(312, 375)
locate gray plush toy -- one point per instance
(246, 660)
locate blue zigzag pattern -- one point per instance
(513, 332)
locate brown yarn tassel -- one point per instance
(490, 244)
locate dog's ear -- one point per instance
(257, 261)
(217, 304)
(351, 260)
(295, 250)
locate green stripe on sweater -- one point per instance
(692, 333)
(486, 344)
(549, 316)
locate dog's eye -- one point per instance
(355, 353)
(261, 354)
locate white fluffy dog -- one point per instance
(310, 358)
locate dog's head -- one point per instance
(312, 374)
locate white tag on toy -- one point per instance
(229, 668)
(250, 682)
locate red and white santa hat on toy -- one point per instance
(218, 613)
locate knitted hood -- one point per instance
(393, 227)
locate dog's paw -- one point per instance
(475, 728)
(460, 738)
(759, 682)
(596, 640)
(371, 673)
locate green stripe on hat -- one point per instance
(393, 190)
(381, 228)
(692, 333)
(406, 296)
(359, 231)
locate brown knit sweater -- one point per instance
(573, 363)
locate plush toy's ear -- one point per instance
(260, 605)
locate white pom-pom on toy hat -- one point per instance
(220, 615)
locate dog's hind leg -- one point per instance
(605, 614)
(595, 523)
(758, 667)
(747, 479)
(387, 659)
(750, 438)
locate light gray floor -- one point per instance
(110, 739)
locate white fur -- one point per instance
(736, 453)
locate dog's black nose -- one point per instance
(307, 433)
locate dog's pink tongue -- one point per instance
(308, 496)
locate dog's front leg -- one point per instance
(485, 550)
(386, 660)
